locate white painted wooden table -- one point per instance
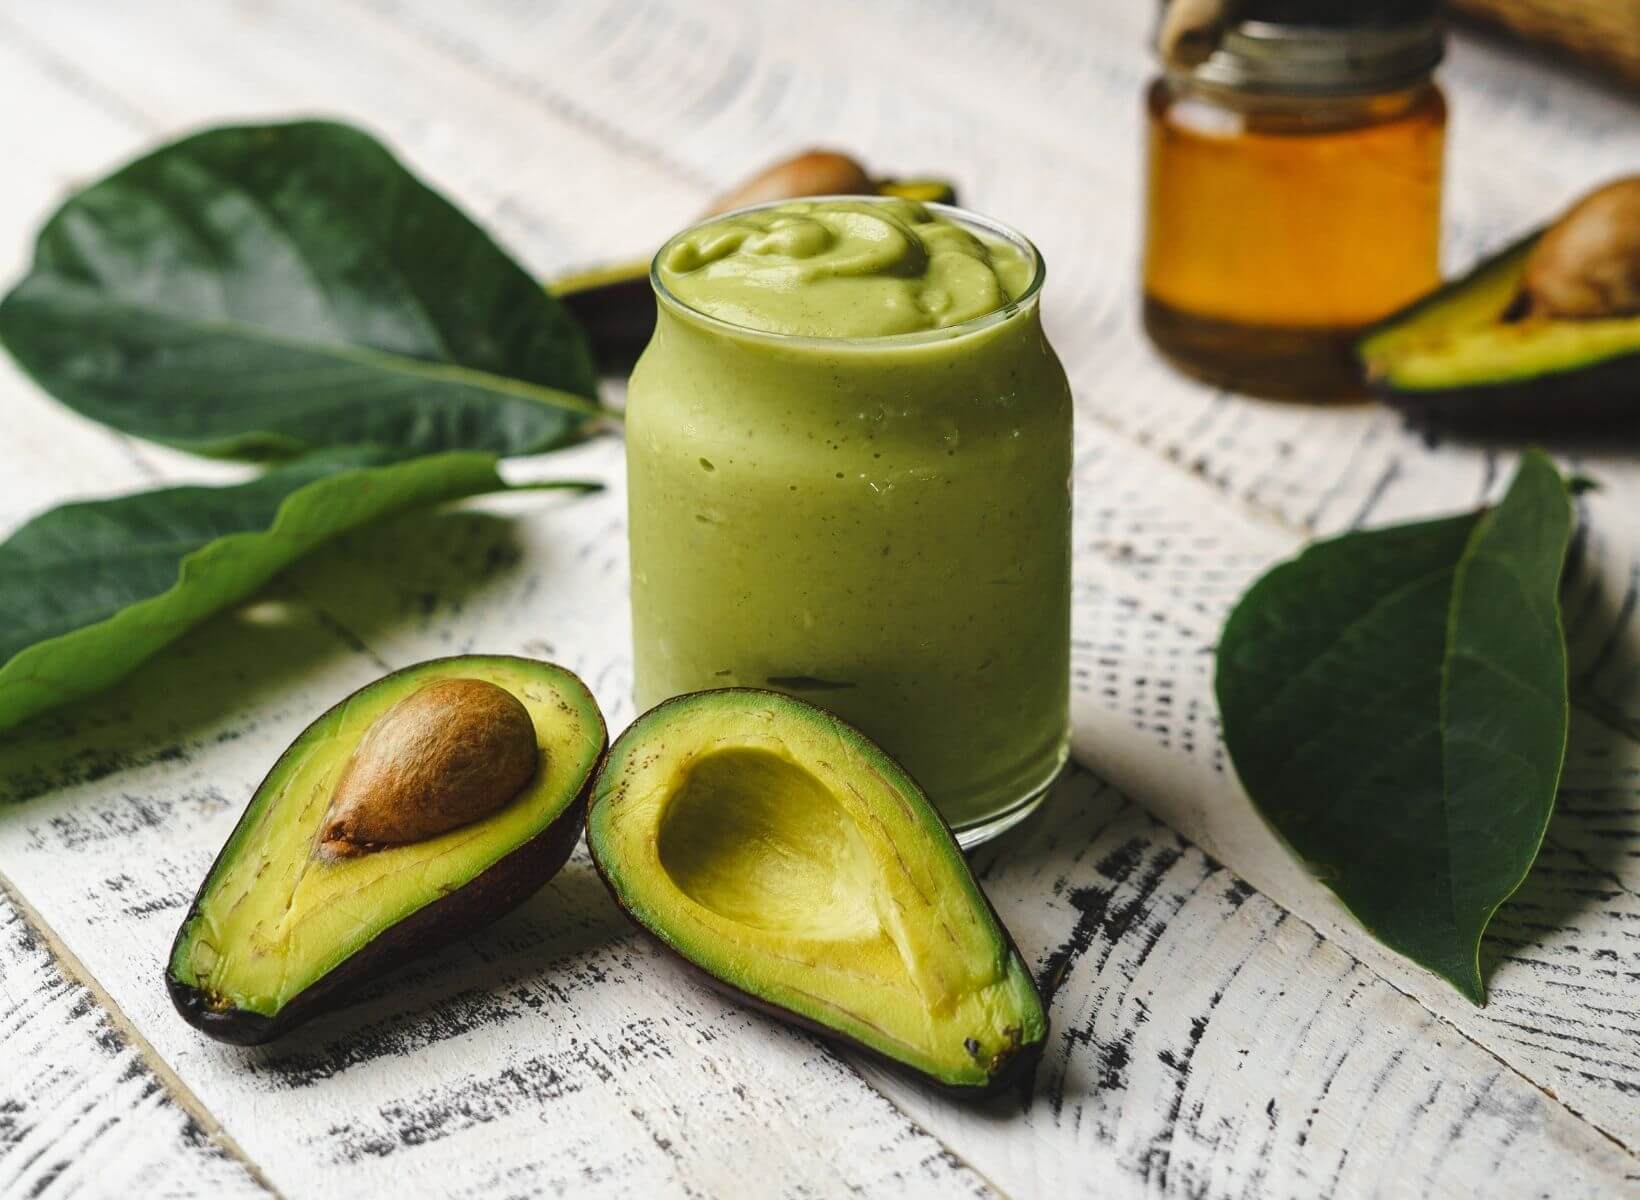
(1220, 1028)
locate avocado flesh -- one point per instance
(275, 922)
(781, 852)
(1458, 350)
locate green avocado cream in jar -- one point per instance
(849, 451)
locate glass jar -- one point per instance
(878, 525)
(1294, 199)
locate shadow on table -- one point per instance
(1552, 431)
(1590, 857)
(243, 667)
(1591, 850)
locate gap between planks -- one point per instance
(912, 1121)
(1632, 1151)
(184, 1096)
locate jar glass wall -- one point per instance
(880, 525)
(1279, 227)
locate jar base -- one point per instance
(1270, 361)
(994, 825)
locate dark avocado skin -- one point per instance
(1017, 1068)
(1604, 395)
(496, 891)
(618, 317)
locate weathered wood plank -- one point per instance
(81, 1111)
(1209, 1044)
(556, 1051)
(50, 453)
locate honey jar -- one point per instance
(1294, 186)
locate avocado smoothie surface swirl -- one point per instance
(843, 269)
(848, 450)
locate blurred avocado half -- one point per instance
(1545, 334)
(615, 305)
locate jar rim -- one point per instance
(963, 216)
(1319, 60)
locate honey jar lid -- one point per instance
(1302, 47)
(1336, 13)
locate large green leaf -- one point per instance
(265, 290)
(1395, 703)
(88, 591)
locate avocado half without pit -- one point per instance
(782, 853)
(1544, 334)
(420, 808)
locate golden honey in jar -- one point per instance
(1294, 190)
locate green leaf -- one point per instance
(260, 291)
(1395, 703)
(88, 591)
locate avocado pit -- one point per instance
(1587, 264)
(446, 755)
(811, 173)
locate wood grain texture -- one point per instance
(1208, 1040)
(81, 1111)
(1209, 1044)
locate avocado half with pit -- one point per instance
(786, 856)
(1465, 355)
(420, 808)
(615, 304)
